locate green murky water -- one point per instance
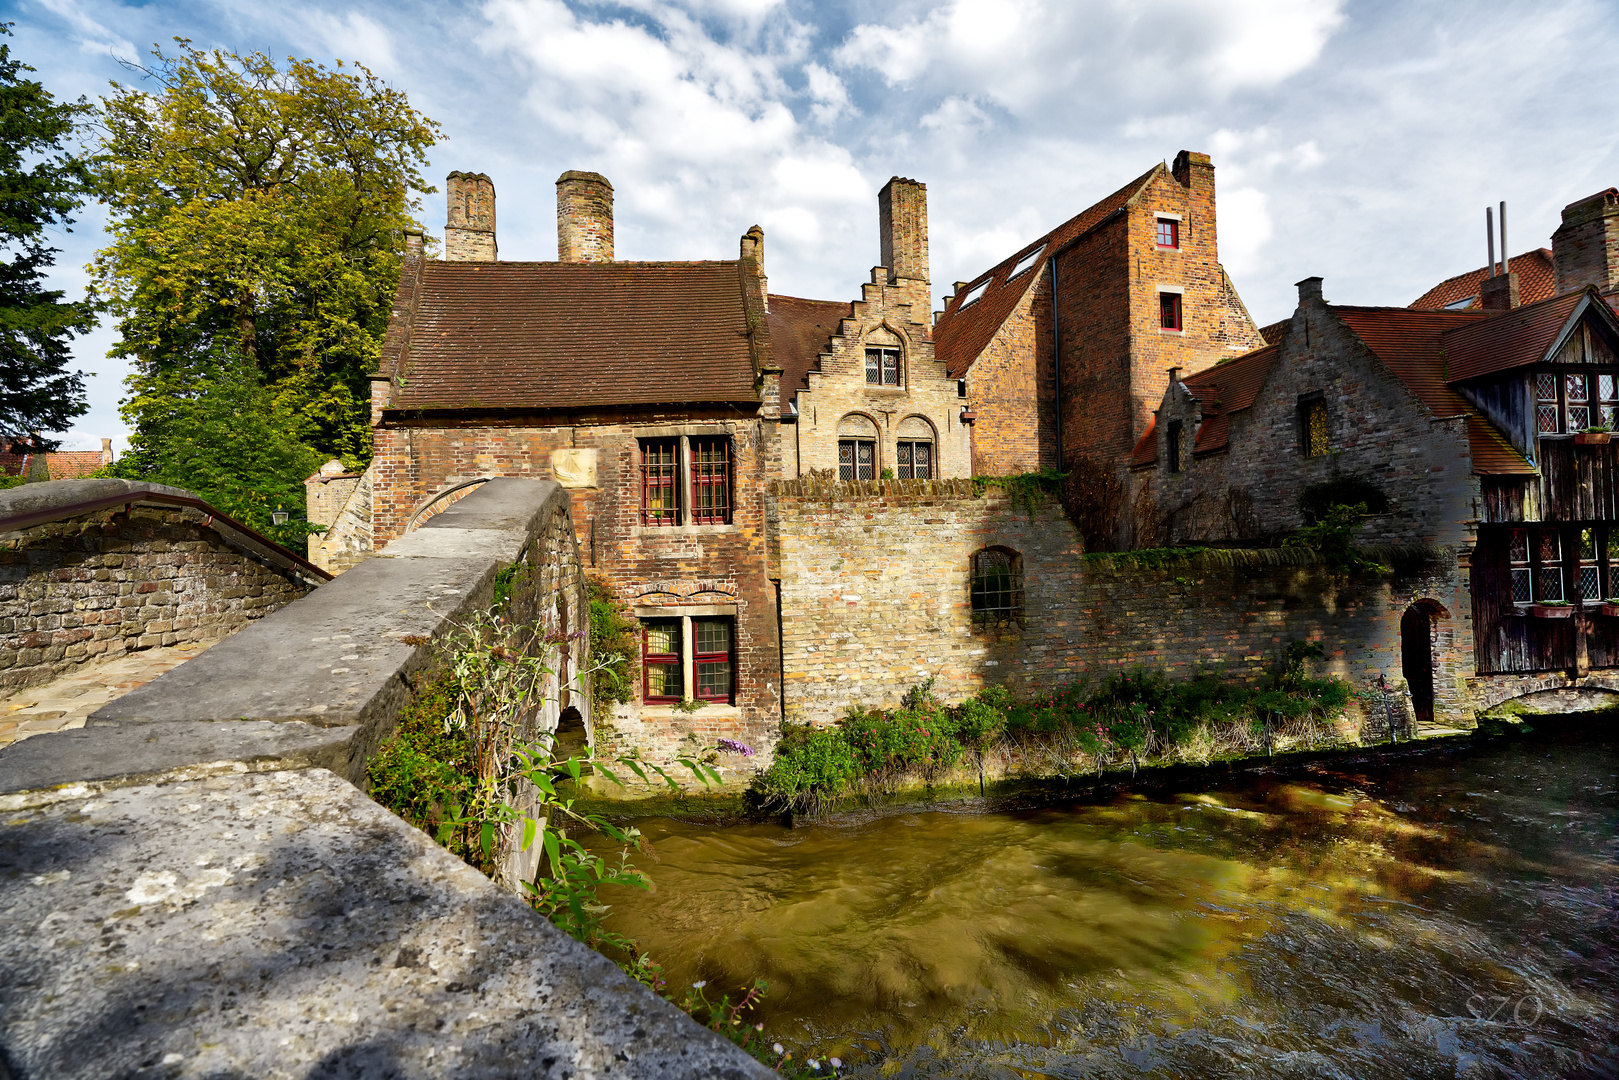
(1452, 914)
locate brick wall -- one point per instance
(876, 598)
(670, 571)
(1012, 389)
(113, 581)
(342, 503)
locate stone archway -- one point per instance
(1416, 655)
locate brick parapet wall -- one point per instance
(876, 598)
(114, 581)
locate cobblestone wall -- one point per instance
(117, 580)
(876, 597)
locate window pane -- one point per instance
(874, 367)
(1579, 417)
(890, 367)
(865, 456)
(1548, 419)
(1588, 545)
(714, 679)
(1520, 585)
(845, 461)
(905, 460)
(663, 638)
(1551, 583)
(1606, 386)
(1546, 386)
(1590, 587)
(713, 636)
(1167, 231)
(663, 680)
(924, 461)
(1575, 385)
(1518, 545)
(1551, 549)
(1316, 432)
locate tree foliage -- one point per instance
(258, 216)
(41, 185)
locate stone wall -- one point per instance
(342, 503)
(124, 577)
(876, 598)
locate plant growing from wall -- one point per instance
(613, 647)
(1332, 537)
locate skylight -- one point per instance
(972, 294)
(1027, 261)
(1457, 305)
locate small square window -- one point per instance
(1169, 310)
(661, 666)
(713, 656)
(1169, 233)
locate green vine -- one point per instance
(1029, 490)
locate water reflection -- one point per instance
(1455, 914)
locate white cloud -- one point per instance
(831, 97)
(1245, 228)
(352, 36)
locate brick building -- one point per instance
(862, 390)
(1065, 346)
(647, 389)
(1465, 429)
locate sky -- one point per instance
(1357, 141)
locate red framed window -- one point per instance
(715, 669)
(1169, 233)
(662, 672)
(660, 493)
(711, 481)
(1169, 310)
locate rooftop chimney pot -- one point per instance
(584, 217)
(1310, 291)
(469, 227)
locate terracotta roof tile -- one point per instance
(1272, 333)
(569, 335)
(962, 333)
(73, 464)
(799, 330)
(1507, 339)
(1536, 282)
(1410, 343)
(1225, 388)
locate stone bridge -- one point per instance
(193, 884)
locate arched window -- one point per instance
(997, 586)
(913, 450)
(857, 448)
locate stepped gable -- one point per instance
(1537, 281)
(539, 335)
(1410, 343)
(799, 331)
(961, 334)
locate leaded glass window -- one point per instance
(882, 367)
(1314, 421)
(1546, 405)
(1590, 566)
(1577, 388)
(857, 459)
(1551, 571)
(1522, 572)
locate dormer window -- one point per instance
(1169, 233)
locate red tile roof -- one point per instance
(1410, 343)
(1228, 387)
(799, 330)
(525, 335)
(73, 464)
(1272, 333)
(1508, 339)
(962, 333)
(1536, 282)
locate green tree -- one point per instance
(258, 216)
(41, 185)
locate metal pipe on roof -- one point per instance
(1489, 237)
(1505, 268)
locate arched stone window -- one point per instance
(884, 364)
(857, 448)
(997, 586)
(913, 450)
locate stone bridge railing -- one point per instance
(193, 884)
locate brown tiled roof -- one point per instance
(1410, 343)
(799, 330)
(1536, 282)
(962, 333)
(1511, 339)
(1272, 333)
(1225, 388)
(528, 335)
(73, 464)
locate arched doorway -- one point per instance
(572, 740)
(1416, 660)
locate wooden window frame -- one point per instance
(1004, 602)
(699, 658)
(710, 488)
(661, 517)
(854, 460)
(905, 459)
(1527, 563)
(1173, 228)
(676, 659)
(884, 367)
(1601, 400)
(1169, 311)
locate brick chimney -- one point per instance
(469, 229)
(584, 218)
(1499, 293)
(106, 451)
(1585, 248)
(753, 250)
(902, 218)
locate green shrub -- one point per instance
(613, 647)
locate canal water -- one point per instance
(1451, 913)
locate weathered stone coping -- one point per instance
(283, 925)
(321, 679)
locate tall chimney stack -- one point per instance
(753, 250)
(902, 218)
(1585, 248)
(469, 229)
(584, 218)
(106, 451)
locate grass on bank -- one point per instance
(1126, 720)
